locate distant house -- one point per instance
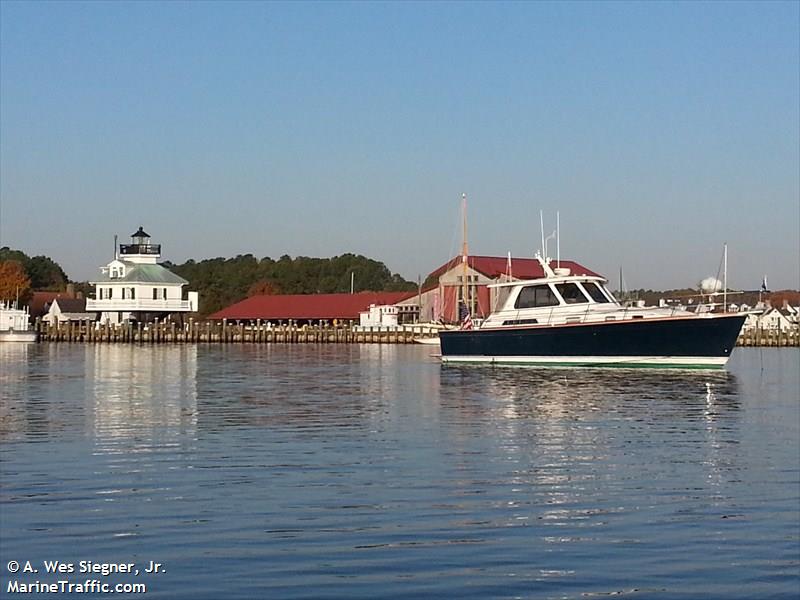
(314, 308)
(777, 319)
(134, 286)
(40, 302)
(63, 310)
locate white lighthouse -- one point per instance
(134, 286)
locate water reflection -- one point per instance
(560, 436)
(13, 381)
(146, 393)
(312, 388)
(108, 392)
(561, 393)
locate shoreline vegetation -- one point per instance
(221, 282)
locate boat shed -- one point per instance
(311, 308)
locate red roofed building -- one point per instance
(308, 308)
(440, 301)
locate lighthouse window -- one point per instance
(533, 296)
(571, 293)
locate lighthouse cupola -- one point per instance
(140, 250)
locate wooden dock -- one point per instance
(223, 332)
(769, 337)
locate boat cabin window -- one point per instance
(571, 293)
(532, 296)
(595, 292)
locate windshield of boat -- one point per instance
(533, 296)
(571, 293)
(595, 292)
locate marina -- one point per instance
(366, 470)
(219, 332)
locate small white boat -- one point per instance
(15, 324)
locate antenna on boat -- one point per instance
(558, 241)
(725, 277)
(541, 225)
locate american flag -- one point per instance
(466, 323)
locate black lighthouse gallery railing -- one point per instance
(140, 248)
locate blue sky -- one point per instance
(658, 130)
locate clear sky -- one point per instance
(658, 130)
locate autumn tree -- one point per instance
(262, 288)
(14, 282)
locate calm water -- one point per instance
(373, 471)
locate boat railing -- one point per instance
(554, 318)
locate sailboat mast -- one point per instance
(464, 251)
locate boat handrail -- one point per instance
(563, 279)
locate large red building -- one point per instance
(308, 308)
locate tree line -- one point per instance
(223, 281)
(220, 281)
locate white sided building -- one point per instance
(134, 286)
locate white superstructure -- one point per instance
(15, 324)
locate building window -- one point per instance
(155, 293)
(100, 291)
(123, 293)
(165, 293)
(110, 293)
(133, 293)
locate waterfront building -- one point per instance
(316, 308)
(63, 310)
(134, 286)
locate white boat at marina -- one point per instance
(15, 324)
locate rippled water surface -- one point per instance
(373, 471)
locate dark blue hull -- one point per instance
(678, 342)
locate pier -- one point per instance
(223, 332)
(769, 337)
